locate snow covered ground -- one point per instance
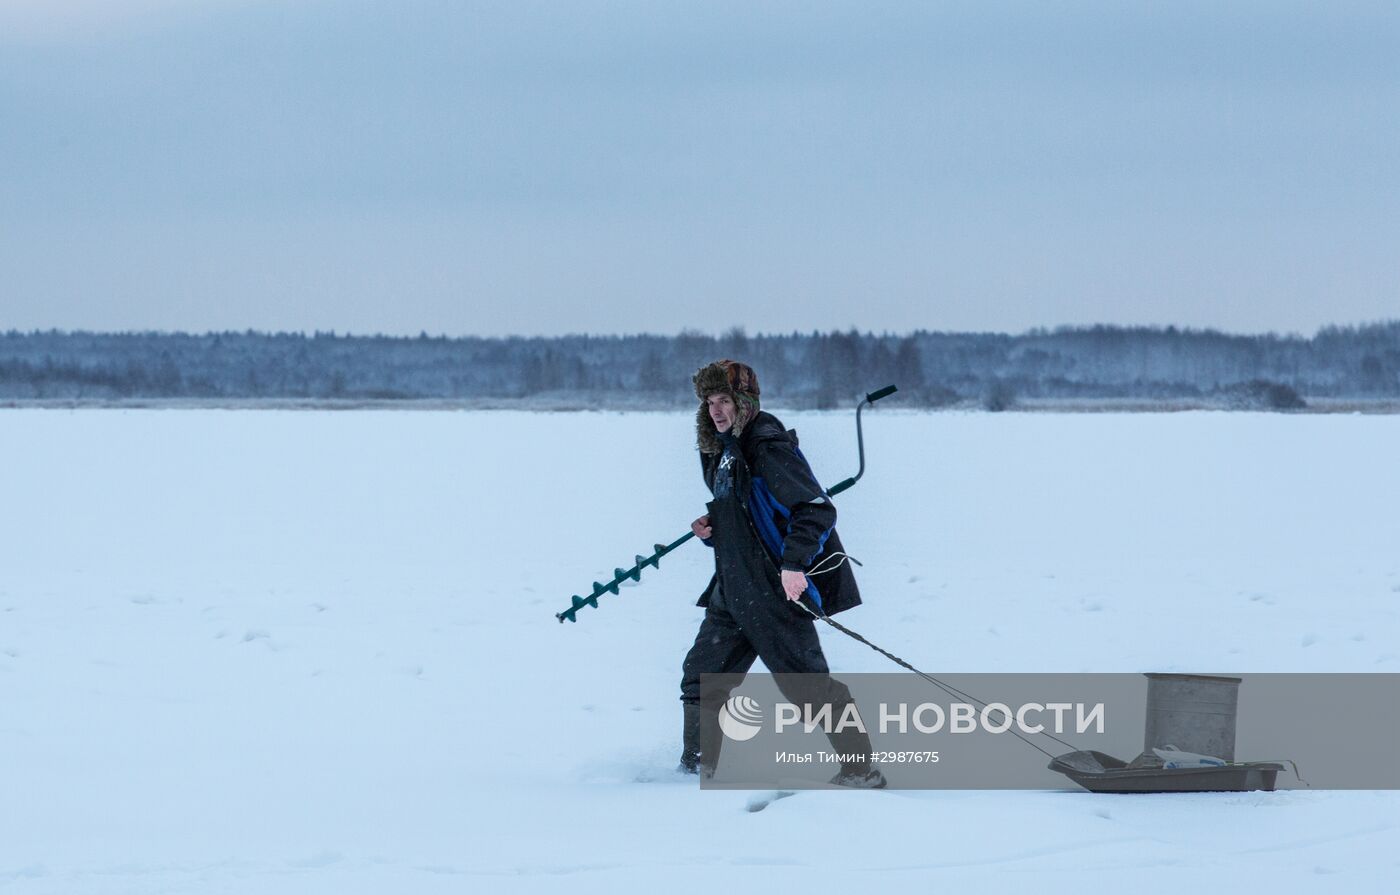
(305, 652)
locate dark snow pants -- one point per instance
(786, 641)
(749, 618)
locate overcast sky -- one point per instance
(542, 168)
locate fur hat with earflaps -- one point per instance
(734, 379)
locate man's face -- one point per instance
(722, 412)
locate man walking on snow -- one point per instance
(769, 522)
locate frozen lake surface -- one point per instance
(259, 651)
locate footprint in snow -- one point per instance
(258, 634)
(759, 801)
(1309, 639)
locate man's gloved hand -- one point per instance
(701, 527)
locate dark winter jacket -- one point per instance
(787, 512)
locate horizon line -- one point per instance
(731, 332)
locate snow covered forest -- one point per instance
(815, 370)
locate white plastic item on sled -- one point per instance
(1173, 757)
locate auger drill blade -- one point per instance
(621, 577)
(624, 575)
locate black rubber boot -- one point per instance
(690, 739)
(711, 738)
(858, 778)
(857, 767)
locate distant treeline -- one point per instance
(797, 370)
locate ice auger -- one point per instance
(635, 573)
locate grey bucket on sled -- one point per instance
(1188, 712)
(1193, 713)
